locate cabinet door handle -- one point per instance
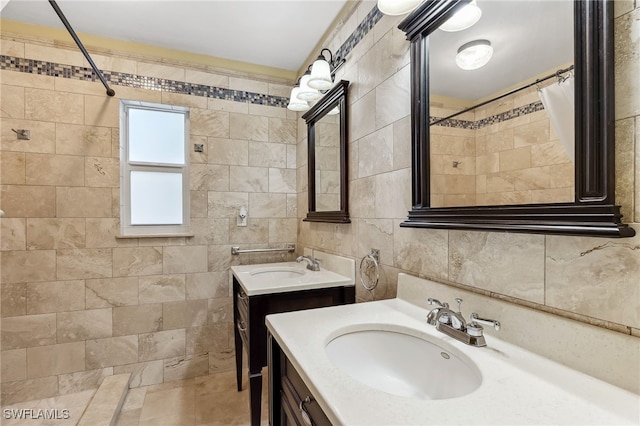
(242, 296)
(303, 412)
(242, 326)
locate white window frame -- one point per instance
(127, 230)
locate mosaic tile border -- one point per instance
(115, 78)
(51, 69)
(488, 121)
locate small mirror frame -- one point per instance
(336, 96)
(593, 212)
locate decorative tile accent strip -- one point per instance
(362, 30)
(488, 121)
(51, 69)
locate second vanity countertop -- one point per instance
(518, 387)
(285, 276)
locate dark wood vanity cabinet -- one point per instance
(249, 314)
(291, 401)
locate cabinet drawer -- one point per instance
(301, 404)
(242, 322)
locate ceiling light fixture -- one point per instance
(464, 18)
(397, 7)
(315, 81)
(474, 54)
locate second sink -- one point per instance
(404, 365)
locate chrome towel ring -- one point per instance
(370, 270)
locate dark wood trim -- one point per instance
(593, 212)
(337, 96)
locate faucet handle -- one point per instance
(477, 320)
(459, 302)
(437, 302)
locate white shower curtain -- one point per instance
(558, 101)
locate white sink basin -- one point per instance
(281, 273)
(403, 365)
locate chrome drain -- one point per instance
(445, 355)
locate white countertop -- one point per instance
(518, 387)
(255, 280)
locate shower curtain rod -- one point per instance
(66, 23)
(540, 80)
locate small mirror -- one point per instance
(327, 162)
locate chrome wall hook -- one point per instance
(23, 134)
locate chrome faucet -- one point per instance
(453, 323)
(312, 263)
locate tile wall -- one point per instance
(505, 152)
(592, 280)
(78, 303)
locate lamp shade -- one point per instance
(474, 54)
(397, 7)
(464, 18)
(307, 93)
(320, 75)
(296, 104)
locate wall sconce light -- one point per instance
(397, 7)
(314, 82)
(464, 18)
(474, 54)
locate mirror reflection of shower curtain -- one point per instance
(558, 101)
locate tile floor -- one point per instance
(207, 400)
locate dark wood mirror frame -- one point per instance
(337, 96)
(593, 212)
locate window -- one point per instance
(154, 175)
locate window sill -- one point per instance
(177, 235)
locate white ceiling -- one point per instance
(274, 33)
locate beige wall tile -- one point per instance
(190, 313)
(82, 140)
(627, 65)
(519, 158)
(84, 325)
(13, 299)
(209, 231)
(209, 177)
(199, 157)
(226, 204)
(26, 80)
(262, 154)
(111, 351)
(161, 288)
(51, 360)
(102, 172)
(186, 259)
(104, 232)
(249, 179)
(229, 106)
(209, 123)
(161, 345)
(199, 204)
(207, 285)
(180, 99)
(14, 365)
(28, 266)
(13, 234)
(83, 380)
(360, 113)
(208, 78)
(220, 311)
(45, 234)
(84, 263)
(282, 180)
(247, 85)
(12, 48)
(607, 271)
(101, 110)
(27, 201)
(12, 101)
(57, 296)
(54, 54)
(48, 105)
(29, 390)
(137, 319)
(395, 203)
(142, 373)
(184, 367)
(208, 338)
(393, 98)
(83, 202)
(267, 205)
(137, 261)
(375, 152)
(248, 127)
(13, 169)
(27, 331)
(42, 136)
(228, 151)
(111, 292)
(256, 231)
(425, 252)
(283, 230)
(161, 71)
(282, 130)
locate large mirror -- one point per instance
(492, 147)
(327, 157)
